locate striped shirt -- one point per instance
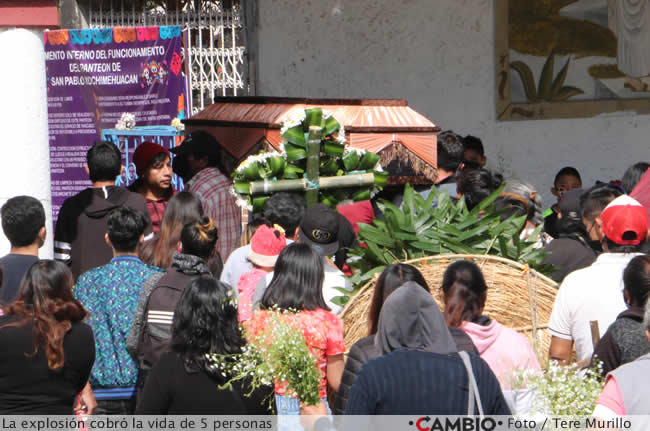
(213, 189)
(413, 382)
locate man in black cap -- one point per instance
(326, 231)
(199, 163)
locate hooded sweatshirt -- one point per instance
(364, 350)
(411, 319)
(420, 371)
(81, 225)
(504, 349)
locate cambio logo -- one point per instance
(427, 423)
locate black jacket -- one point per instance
(567, 254)
(81, 226)
(364, 350)
(151, 330)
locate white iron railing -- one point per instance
(215, 47)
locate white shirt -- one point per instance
(236, 265)
(592, 293)
(333, 279)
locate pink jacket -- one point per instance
(504, 349)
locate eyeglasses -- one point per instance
(470, 164)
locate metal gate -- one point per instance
(215, 36)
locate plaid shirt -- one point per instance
(213, 189)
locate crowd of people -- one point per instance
(141, 292)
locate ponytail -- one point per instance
(207, 229)
(461, 304)
(464, 293)
(199, 239)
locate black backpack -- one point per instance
(158, 316)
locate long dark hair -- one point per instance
(182, 209)
(205, 321)
(297, 282)
(392, 277)
(633, 175)
(45, 298)
(464, 292)
(476, 185)
(636, 279)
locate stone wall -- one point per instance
(438, 54)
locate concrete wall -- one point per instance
(438, 54)
(24, 150)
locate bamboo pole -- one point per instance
(313, 165)
(346, 181)
(267, 187)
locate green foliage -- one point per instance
(335, 160)
(549, 88)
(418, 230)
(278, 354)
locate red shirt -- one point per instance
(323, 333)
(156, 211)
(358, 212)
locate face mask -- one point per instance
(595, 245)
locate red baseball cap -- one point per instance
(144, 153)
(625, 221)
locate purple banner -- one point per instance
(96, 75)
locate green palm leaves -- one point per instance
(339, 167)
(420, 229)
(550, 88)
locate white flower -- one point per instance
(360, 152)
(176, 122)
(346, 202)
(246, 163)
(300, 116)
(129, 120)
(326, 114)
(341, 135)
(290, 124)
(563, 390)
(262, 157)
(240, 201)
(126, 121)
